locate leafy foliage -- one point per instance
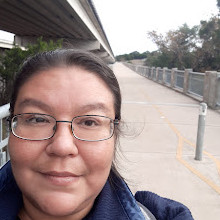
(208, 55)
(175, 49)
(12, 59)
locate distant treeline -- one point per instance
(132, 56)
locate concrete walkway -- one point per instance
(159, 147)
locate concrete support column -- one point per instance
(211, 90)
(186, 80)
(173, 77)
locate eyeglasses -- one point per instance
(36, 127)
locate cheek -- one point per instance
(22, 151)
(99, 155)
(20, 159)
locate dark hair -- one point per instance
(69, 57)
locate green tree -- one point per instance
(208, 54)
(12, 59)
(175, 48)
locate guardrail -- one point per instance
(204, 87)
(196, 83)
(4, 155)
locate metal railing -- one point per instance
(179, 79)
(196, 83)
(4, 155)
(201, 86)
(168, 77)
(160, 75)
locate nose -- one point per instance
(63, 143)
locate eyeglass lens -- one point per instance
(41, 126)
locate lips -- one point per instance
(60, 174)
(60, 178)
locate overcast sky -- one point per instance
(126, 22)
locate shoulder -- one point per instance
(163, 208)
(5, 176)
(10, 195)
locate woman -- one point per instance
(65, 113)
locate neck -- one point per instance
(32, 213)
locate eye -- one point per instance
(36, 119)
(88, 122)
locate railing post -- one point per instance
(210, 92)
(172, 82)
(4, 112)
(157, 74)
(186, 80)
(147, 72)
(164, 75)
(200, 131)
(152, 72)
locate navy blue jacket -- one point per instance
(115, 202)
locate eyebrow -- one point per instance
(35, 103)
(95, 106)
(84, 108)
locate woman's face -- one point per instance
(62, 176)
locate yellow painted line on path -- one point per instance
(201, 176)
(179, 148)
(216, 161)
(181, 141)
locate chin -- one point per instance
(60, 212)
(64, 205)
(59, 209)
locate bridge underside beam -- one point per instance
(88, 45)
(75, 21)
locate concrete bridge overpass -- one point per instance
(75, 21)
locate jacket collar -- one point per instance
(115, 202)
(10, 195)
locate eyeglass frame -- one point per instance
(114, 121)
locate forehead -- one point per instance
(66, 86)
(64, 76)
